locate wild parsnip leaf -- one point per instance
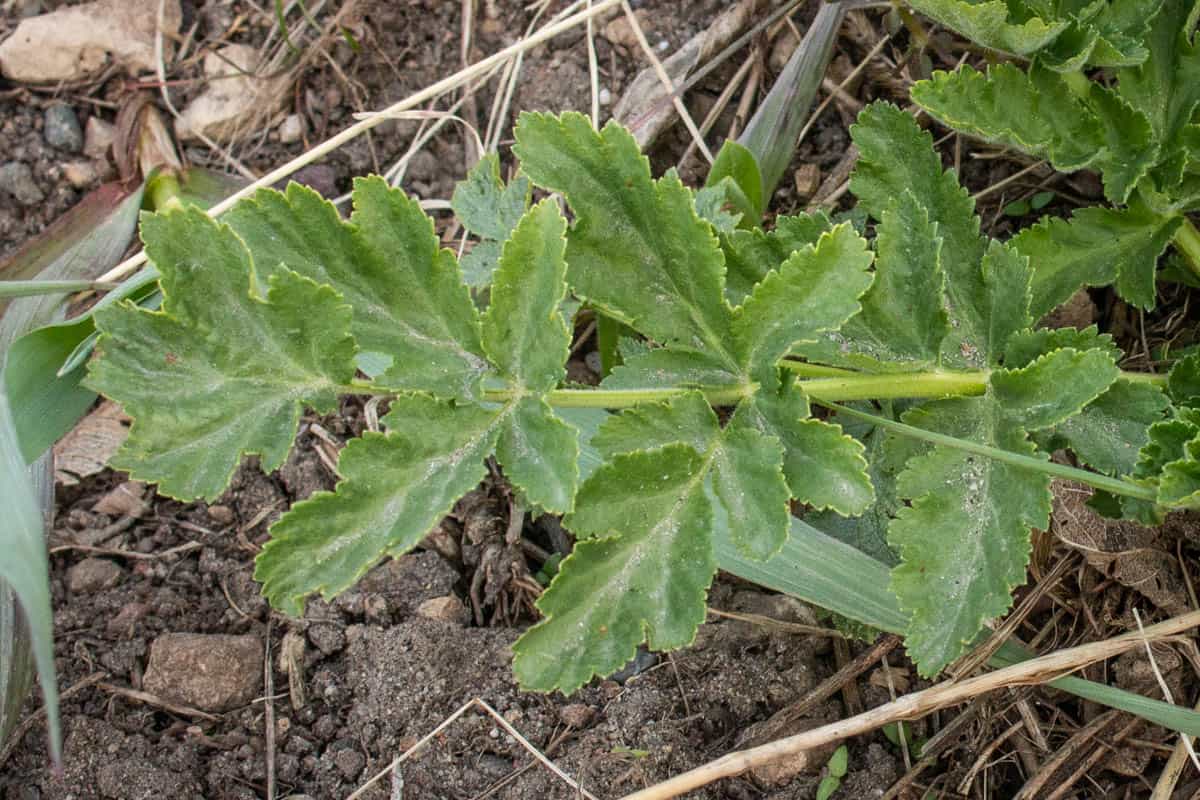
(751, 254)
(898, 157)
(964, 538)
(1166, 89)
(993, 24)
(1183, 381)
(408, 298)
(490, 209)
(1025, 347)
(394, 488)
(815, 290)
(639, 571)
(218, 373)
(540, 454)
(1109, 433)
(524, 333)
(824, 467)
(903, 319)
(637, 249)
(1039, 113)
(1096, 247)
(1053, 388)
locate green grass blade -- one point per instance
(35, 288)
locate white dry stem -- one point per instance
(1034, 671)
(412, 101)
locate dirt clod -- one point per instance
(213, 672)
(93, 575)
(447, 609)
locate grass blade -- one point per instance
(10, 289)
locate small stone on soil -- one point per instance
(575, 715)
(80, 174)
(98, 138)
(222, 515)
(350, 763)
(61, 128)
(446, 609)
(213, 672)
(93, 575)
(16, 179)
(291, 129)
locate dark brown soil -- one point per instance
(370, 674)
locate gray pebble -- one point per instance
(61, 129)
(16, 179)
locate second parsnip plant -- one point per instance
(285, 305)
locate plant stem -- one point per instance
(1111, 485)
(626, 398)
(1187, 242)
(888, 387)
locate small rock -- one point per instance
(446, 609)
(291, 129)
(575, 715)
(212, 672)
(98, 138)
(240, 97)
(16, 178)
(321, 178)
(327, 638)
(80, 174)
(807, 179)
(620, 32)
(350, 763)
(93, 575)
(61, 128)
(222, 515)
(128, 498)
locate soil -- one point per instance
(358, 681)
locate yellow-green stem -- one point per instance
(1187, 242)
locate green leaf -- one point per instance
(1166, 88)
(903, 319)
(218, 373)
(1001, 303)
(394, 489)
(989, 24)
(489, 209)
(1097, 246)
(814, 291)
(964, 540)
(524, 333)
(824, 468)
(839, 761)
(670, 366)
(540, 454)
(1025, 347)
(485, 205)
(751, 254)
(1053, 388)
(639, 572)
(827, 787)
(738, 164)
(637, 249)
(1108, 434)
(898, 157)
(746, 464)
(1183, 381)
(407, 294)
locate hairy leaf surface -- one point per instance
(639, 572)
(1097, 246)
(751, 254)
(490, 209)
(394, 488)
(964, 540)
(218, 373)
(408, 297)
(637, 248)
(1109, 433)
(988, 23)
(1053, 388)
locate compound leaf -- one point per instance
(1054, 387)
(540, 454)
(751, 254)
(964, 539)
(490, 209)
(640, 571)
(218, 373)
(1109, 433)
(1097, 246)
(524, 333)
(903, 319)
(988, 24)
(815, 290)
(394, 489)
(824, 468)
(898, 157)
(637, 249)
(408, 297)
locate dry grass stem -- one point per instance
(1034, 671)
